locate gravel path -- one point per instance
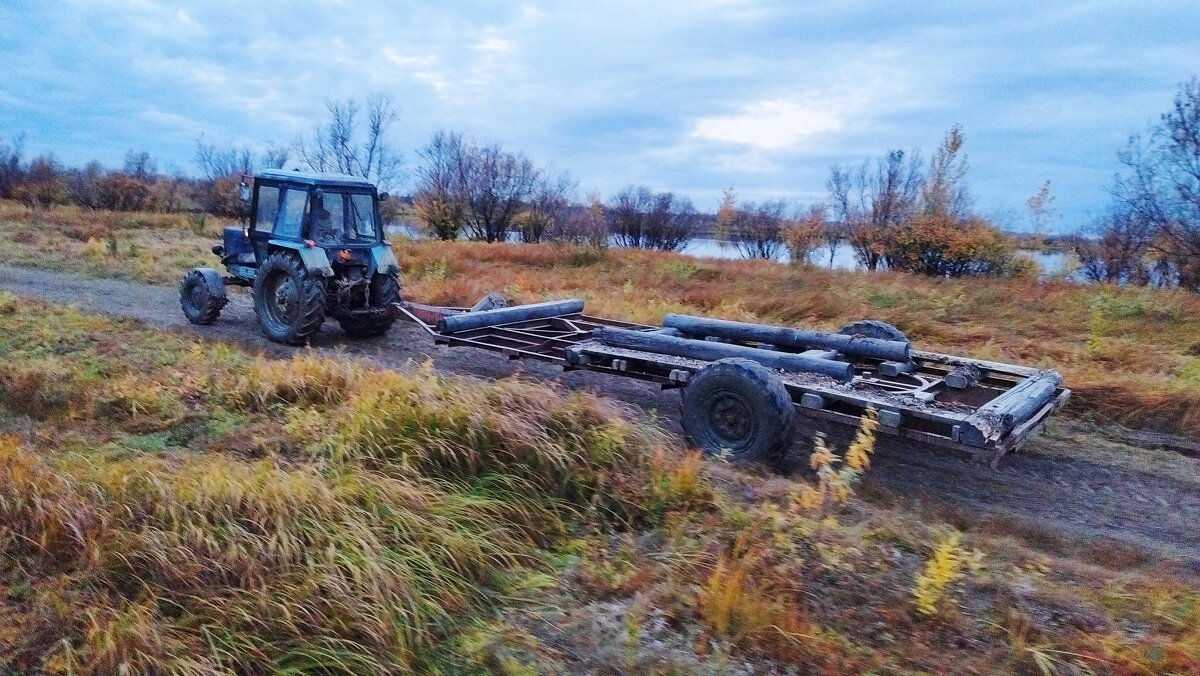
(1071, 483)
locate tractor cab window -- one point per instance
(362, 212)
(268, 208)
(292, 214)
(343, 219)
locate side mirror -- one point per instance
(244, 192)
(383, 197)
(318, 193)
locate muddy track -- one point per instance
(1071, 483)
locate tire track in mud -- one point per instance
(1061, 485)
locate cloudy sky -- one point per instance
(683, 95)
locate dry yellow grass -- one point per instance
(307, 535)
(198, 509)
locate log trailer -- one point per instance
(743, 385)
(314, 249)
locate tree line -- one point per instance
(1150, 234)
(898, 212)
(346, 143)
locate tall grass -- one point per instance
(399, 506)
(229, 565)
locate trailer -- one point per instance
(744, 385)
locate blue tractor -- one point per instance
(313, 249)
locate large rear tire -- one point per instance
(289, 303)
(202, 295)
(385, 289)
(738, 408)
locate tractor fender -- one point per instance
(313, 257)
(383, 260)
(213, 280)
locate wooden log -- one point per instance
(831, 355)
(963, 377)
(1001, 414)
(492, 301)
(895, 368)
(889, 418)
(856, 346)
(698, 349)
(518, 313)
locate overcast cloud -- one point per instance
(690, 96)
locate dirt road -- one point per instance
(1073, 482)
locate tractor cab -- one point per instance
(334, 211)
(312, 239)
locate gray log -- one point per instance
(857, 346)
(1001, 414)
(895, 368)
(708, 351)
(492, 301)
(518, 313)
(963, 377)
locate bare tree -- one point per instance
(640, 218)
(83, 185)
(216, 163)
(274, 157)
(483, 191)
(1161, 183)
(140, 165)
(339, 145)
(548, 206)
(944, 189)
(440, 199)
(1116, 253)
(868, 203)
(496, 185)
(757, 230)
(1041, 209)
(10, 166)
(223, 168)
(583, 224)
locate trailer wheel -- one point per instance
(202, 295)
(872, 328)
(739, 408)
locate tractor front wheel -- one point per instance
(385, 289)
(202, 295)
(289, 303)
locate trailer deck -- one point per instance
(982, 407)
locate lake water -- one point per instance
(843, 255)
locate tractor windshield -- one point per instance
(344, 219)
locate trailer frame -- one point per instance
(912, 401)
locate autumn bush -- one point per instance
(937, 246)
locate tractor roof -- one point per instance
(314, 178)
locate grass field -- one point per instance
(187, 507)
(1131, 355)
